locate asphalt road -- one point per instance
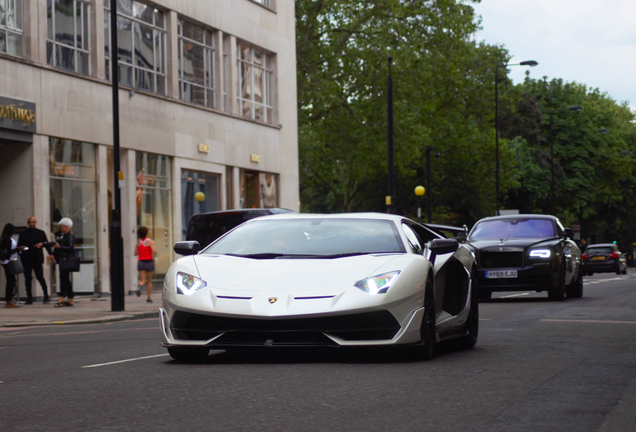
(538, 365)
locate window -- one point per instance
(154, 203)
(255, 84)
(11, 27)
(141, 41)
(196, 65)
(68, 35)
(199, 194)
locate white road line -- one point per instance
(588, 321)
(515, 295)
(124, 361)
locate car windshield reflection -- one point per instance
(309, 238)
(513, 228)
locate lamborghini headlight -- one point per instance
(540, 253)
(188, 284)
(378, 284)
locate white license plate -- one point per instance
(501, 274)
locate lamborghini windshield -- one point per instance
(513, 228)
(320, 237)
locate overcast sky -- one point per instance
(592, 42)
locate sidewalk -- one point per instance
(87, 309)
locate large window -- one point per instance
(73, 193)
(68, 35)
(154, 204)
(141, 41)
(255, 84)
(196, 64)
(11, 27)
(199, 194)
(258, 190)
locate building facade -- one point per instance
(207, 115)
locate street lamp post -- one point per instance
(390, 178)
(429, 199)
(576, 108)
(530, 63)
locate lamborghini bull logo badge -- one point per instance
(272, 300)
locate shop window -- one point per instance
(68, 35)
(199, 194)
(73, 195)
(196, 64)
(255, 97)
(141, 41)
(154, 204)
(258, 190)
(11, 27)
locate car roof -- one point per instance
(518, 216)
(365, 215)
(246, 211)
(601, 245)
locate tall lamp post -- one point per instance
(390, 181)
(429, 199)
(419, 193)
(530, 63)
(576, 108)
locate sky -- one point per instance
(591, 42)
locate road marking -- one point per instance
(22, 329)
(125, 361)
(588, 321)
(515, 295)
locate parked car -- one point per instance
(308, 280)
(207, 227)
(604, 258)
(526, 252)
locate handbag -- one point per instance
(70, 264)
(15, 267)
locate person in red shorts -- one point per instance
(146, 251)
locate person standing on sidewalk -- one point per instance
(34, 241)
(65, 247)
(9, 251)
(146, 251)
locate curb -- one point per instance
(112, 318)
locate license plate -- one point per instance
(501, 274)
(598, 258)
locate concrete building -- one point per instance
(207, 104)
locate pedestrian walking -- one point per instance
(34, 241)
(9, 251)
(146, 251)
(65, 248)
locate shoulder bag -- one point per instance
(70, 264)
(15, 267)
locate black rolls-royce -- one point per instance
(526, 253)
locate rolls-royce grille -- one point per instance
(491, 260)
(294, 331)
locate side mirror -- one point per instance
(569, 233)
(187, 247)
(443, 246)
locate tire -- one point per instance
(558, 293)
(590, 274)
(472, 323)
(575, 290)
(624, 271)
(427, 329)
(189, 354)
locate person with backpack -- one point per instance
(9, 251)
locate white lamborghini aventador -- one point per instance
(311, 280)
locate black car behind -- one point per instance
(207, 227)
(604, 258)
(526, 252)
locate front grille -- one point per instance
(296, 331)
(492, 259)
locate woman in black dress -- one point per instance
(65, 248)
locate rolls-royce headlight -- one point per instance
(188, 284)
(378, 284)
(540, 253)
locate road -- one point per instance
(538, 365)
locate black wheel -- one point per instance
(484, 294)
(590, 274)
(427, 329)
(558, 293)
(624, 271)
(472, 323)
(189, 354)
(575, 290)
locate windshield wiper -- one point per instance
(348, 254)
(266, 255)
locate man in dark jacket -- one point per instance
(33, 258)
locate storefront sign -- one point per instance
(17, 115)
(204, 148)
(255, 158)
